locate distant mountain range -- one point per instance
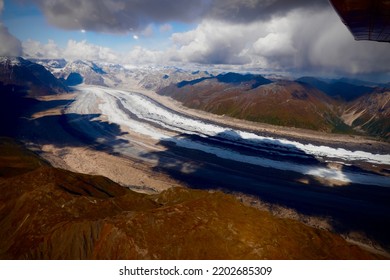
(116, 75)
(342, 105)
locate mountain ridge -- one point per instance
(340, 89)
(231, 78)
(307, 103)
(283, 103)
(21, 81)
(33, 77)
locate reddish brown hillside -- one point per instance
(282, 103)
(49, 213)
(370, 113)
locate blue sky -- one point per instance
(26, 21)
(294, 36)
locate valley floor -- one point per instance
(150, 143)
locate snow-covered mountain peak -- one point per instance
(12, 60)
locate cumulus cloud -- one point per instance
(292, 35)
(36, 49)
(72, 51)
(215, 42)
(139, 55)
(322, 42)
(9, 46)
(84, 50)
(219, 42)
(304, 40)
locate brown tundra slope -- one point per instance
(305, 103)
(282, 103)
(50, 213)
(370, 113)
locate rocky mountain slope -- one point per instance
(306, 103)
(370, 113)
(116, 75)
(88, 71)
(50, 213)
(21, 81)
(25, 75)
(280, 103)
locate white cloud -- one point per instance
(73, 50)
(135, 37)
(274, 44)
(324, 43)
(9, 46)
(336, 49)
(278, 38)
(140, 55)
(84, 50)
(215, 42)
(301, 40)
(35, 49)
